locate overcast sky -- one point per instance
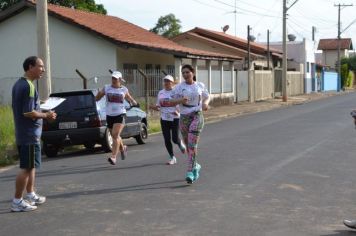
(259, 14)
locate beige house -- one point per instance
(220, 42)
(92, 43)
(329, 49)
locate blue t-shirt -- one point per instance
(25, 99)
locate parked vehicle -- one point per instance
(82, 120)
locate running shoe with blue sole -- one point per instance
(189, 177)
(196, 171)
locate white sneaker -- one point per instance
(35, 199)
(22, 206)
(350, 223)
(172, 161)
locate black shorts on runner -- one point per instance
(111, 120)
(30, 156)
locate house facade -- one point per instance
(92, 43)
(329, 48)
(302, 53)
(220, 42)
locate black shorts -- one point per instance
(30, 156)
(111, 120)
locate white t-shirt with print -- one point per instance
(195, 93)
(115, 98)
(168, 112)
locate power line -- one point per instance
(209, 5)
(246, 10)
(259, 20)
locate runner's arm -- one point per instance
(130, 98)
(100, 95)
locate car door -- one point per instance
(130, 122)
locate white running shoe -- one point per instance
(350, 223)
(172, 161)
(36, 199)
(22, 206)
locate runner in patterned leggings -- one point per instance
(193, 99)
(169, 118)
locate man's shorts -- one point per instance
(111, 120)
(30, 156)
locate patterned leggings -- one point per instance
(191, 126)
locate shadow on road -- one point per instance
(133, 188)
(341, 233)
(81, 170)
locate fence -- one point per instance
(263, 85)
(295, 83)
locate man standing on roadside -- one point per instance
(28, 129)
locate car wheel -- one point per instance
(89, 145)
(142, 137)
(50, 150)
(107, 142)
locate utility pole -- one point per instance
(284, 48)
(339, 42)
(268, 51)
(248, 47)
(250, 83)
(235, 11)
(43, 48)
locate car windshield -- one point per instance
(75, 102)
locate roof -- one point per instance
(332, 44)
(236, 42)
(117, 31)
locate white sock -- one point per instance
(17, 200)
(31, 194)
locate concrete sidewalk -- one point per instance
(238, 109)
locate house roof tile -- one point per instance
(124, 33)
(332, 44)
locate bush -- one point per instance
(7, 137)
(344, 74)
(350, 80)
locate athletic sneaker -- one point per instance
(350, 223)
(189, 177)
(112, 161)
(35, 199)
(196, 171)
(172, 161)
(182, 147)
(124, 153)
(22, 206)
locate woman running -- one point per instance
(116, 94)
(169, 118)
(193, 99)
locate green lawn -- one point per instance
(7, 137)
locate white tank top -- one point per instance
(115, 98)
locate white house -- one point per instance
(301, 52)
(92, 43)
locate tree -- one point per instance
(168, 26)
(85, 5)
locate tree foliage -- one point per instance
(86, 5)
(168, 26)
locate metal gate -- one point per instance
(242, 86)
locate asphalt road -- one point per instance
(285, 172)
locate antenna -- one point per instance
(225, 28)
